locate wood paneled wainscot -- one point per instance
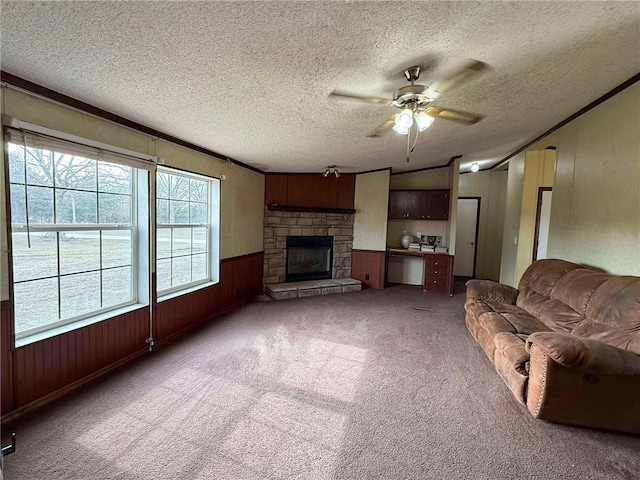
(369, 266)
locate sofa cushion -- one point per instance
(513, 348)
(491, 291)
(535, 298)
(613, 315)
(553, 313)
(542, 276)
(476, 307)
(512, 363)
(504, 308)
(617, 303)
(525, 324)
(576, 288)
(495, 323)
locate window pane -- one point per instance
(181, 242)
(162, 211)
(116, 286)
(200, 269)
(179, 189)
(200, 237)
(198, 212)
(198, 191)
(116, 248)
(39, 167)
(181, 270)
(39, 261)
(114, 208)
(163, 243)
(178, 212)
(79, 294)
(79, 252)
(75, 207)
(163, 274)
(18, 209)
(36, 303)
(162, 185)
(40, 204)
(114, 178)
(75, 172)
(16, 163)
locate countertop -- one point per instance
(403, 251)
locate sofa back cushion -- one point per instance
(542, 275)
(613, 314)
(535, 297)
(577, 287)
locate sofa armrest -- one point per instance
(491, 291)
(585, 354)
(583, 382)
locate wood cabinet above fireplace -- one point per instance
(310, 190)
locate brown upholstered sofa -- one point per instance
(566, 342)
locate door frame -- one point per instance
(475, 243)
(536, 232)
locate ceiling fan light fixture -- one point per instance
(331, 169)
(401, 130)
(404, 119)
(423, 121)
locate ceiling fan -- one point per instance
(415, 102)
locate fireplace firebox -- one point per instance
(309, 258)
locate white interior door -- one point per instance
(466, 223)
(543, 225)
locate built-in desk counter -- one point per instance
(437, 272)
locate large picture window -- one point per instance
(184, 217)
(73, 231)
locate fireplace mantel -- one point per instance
(288, 208)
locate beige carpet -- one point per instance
(369, 385)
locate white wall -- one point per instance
(371, 205)
(491, 187)
(595, 214)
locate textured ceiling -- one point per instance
(250, 80)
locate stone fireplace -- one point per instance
(278, 225)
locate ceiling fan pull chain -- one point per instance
(415, 140)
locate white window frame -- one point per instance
(212, 227)
(140, 247)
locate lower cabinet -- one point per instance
(438, 273)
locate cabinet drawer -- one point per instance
(435, 261)
(432, 284)
(436, 271)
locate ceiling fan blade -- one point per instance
(383, 128)
(454, 115)
(464, 74)
(360, 98)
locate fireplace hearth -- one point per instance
(309, 258)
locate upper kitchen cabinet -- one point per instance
(419, 204)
